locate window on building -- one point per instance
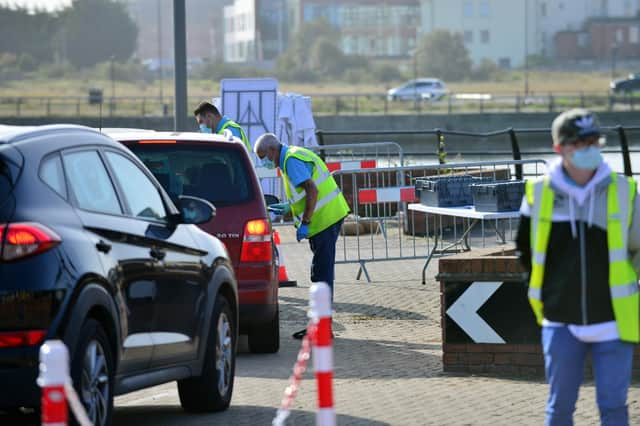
(634, 35)
(504, 63)
(619, 35)
(583, 39)
(468, 37)
(543, 10)
(485, 9)
(467, 9)
(484, 36)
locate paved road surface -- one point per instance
(388, 367)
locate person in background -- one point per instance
(579, 236)
(314, 199)
(211, 121)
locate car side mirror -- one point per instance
(194, 210)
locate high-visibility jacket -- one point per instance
(331, 205)
(623, 281)
(233, 124)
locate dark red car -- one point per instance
(220, 170)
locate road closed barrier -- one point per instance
(319, 339)
(57, 387)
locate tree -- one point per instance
(97, 30)
(443, 54)
(28, 33)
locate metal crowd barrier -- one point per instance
(381, 228)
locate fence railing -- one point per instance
(507, 143)
(328, 104)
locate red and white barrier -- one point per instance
(294, 381)
(54, 374)
(283, 277)
(322, 352)
(352, 165)
(392, 194)
(57, 387)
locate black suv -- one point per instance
(94, 252)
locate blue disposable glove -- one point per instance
(303, 232)
(280, 208)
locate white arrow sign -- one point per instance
(464, 312)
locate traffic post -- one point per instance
(54, 374)
(322, 351)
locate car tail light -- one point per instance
(14, 339)
(256, 243)
(20, 240)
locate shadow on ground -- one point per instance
(236, 415)
(157, 415)
(296, 309)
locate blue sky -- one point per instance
(48, 4)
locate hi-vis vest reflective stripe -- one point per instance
(230, 123)
(331, 205)
(623, 281)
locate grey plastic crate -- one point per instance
(498, 196)
(446, 191)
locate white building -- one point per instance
(506, 31)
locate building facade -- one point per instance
(507, 31)
(601, 39)
(372, 28)
(255, 31)
(154, 18)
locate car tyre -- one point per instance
(92, 372)
(265, 338)
(212, 390)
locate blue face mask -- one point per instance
(205, 129)
(269, 164)
(587, 158)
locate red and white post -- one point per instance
(54, 374)
(322, 352)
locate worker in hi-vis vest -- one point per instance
(579, 236)
(211, 121)
(314, 200)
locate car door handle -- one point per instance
(157, 253)
(103, 246)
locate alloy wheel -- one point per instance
(95, 383)
(224, 354)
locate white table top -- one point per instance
(464, 211)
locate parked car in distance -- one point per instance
(219, 170)
(419, 89)
(626, 85)
(95, 253)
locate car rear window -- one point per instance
(211, 172)
(10, 165)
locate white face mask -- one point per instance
(587, 158)
(269, 164)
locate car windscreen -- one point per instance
(214, 173)
(11, 162)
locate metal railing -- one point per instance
(506, 143)
(328, 104)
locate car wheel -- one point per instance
(211, 391)
(92, 371)
(265, 338)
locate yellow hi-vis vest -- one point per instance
(331, 205)
(623, 281)
(231, 123)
